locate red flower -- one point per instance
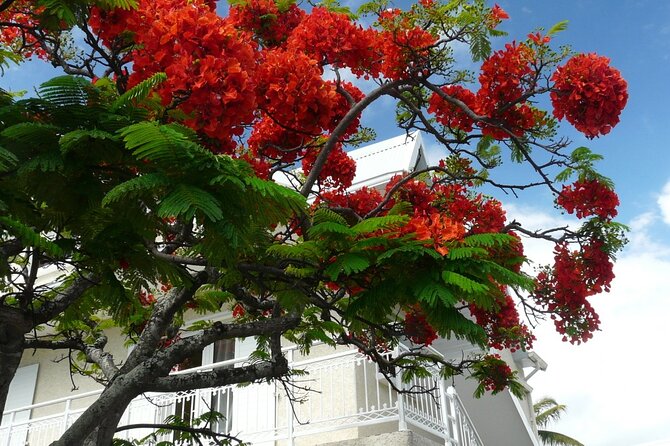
(339, 170)
(333, 38)
(238, 311)
(495, 16)
(417, 328)
(564, 289)
(498, 13)
(589, 93)
(452, 115)
(502, 325)
(589, 198)
(539, 39)
(504, 78)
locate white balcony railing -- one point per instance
(341, 391)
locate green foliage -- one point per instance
(373, 224)
(139, 92)
(348, 263)
(29, 237)
(558, 27)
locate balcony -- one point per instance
(342, 396)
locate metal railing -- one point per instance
(340, 391)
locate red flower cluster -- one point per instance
(17, 19)
(271, 141)
(361, 201)
(417, 193)
(437, 227)
(209, 68)
(112, 25)
(479, 214)
(238, 311)
(417, 328)
(496, 373)
(292, 92)
(586, 198)
(405, 51)
(539, 39)
(503, 79)
(451, 115)
(589, 93)
(564, 289)
(263, 17)
(146, 299)
(339, 170)
(497, 15)
(332, 38)
(503, 327)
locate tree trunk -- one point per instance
(96, 426)
(104, 433)
(11, 350)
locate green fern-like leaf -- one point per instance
(60, 9)
(29, 237)
(433, 293)
(323, 215)
(139, 92)
(186, 200)
(30, 136)
(300, 271)
(286, 197)
(348, 263)
(409, 250)
(503, 275)
(80, 139)
(136, 187)
(308, 250)
(65, 91)
(123, 4)
(330, 227)
(558, 27)
(464, 283)
(488, 240)
(480, 46)
(378, 223)
(44, 162)
(459, 253)
(449, 322)
(155, 142)
(7, 160)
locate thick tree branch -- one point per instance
(54, 307)
(339, 131)
(219, 377)
(160, 320)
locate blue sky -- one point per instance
(615, 385)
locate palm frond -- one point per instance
(550, 438)
(548, 410)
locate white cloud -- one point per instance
(614, 385)
(664, 202)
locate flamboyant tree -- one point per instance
(147, 179)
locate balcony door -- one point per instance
(250, 409)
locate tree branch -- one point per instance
(341, 128)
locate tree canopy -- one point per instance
(143, 180)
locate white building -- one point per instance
(350, 403)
